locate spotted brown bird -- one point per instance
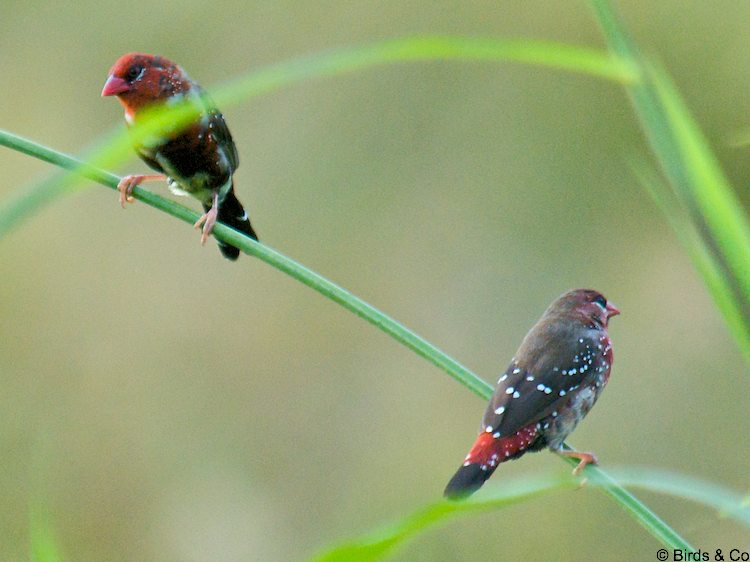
(199, 160)
(552, 382)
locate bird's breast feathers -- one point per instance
(194, 162)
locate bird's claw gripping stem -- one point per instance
(127, 184)
(585, 458)
(208, 220)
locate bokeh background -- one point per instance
(160, 403)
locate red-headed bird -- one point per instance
(552, 382)
(198, 160)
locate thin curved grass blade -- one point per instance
(380, 543)
(697, 183)
(42, 541)
(702, 257)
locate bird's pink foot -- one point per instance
(208, 221)
(585, 458)
(128, 184)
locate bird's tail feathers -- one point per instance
(488, 452)
(233, 214)
(478, 466)
(467, 480)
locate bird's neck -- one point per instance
(130, 110)
(129, 116)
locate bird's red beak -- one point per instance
(612, 310)
(114, 85)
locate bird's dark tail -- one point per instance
(232, 214)
(478, 466)
(488, 452)
(467, 480)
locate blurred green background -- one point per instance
(162, 403)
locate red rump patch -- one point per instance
(489, 451)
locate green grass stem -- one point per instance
(637, 509)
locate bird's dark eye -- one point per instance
(601, 301)
(133, 72)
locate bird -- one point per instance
(199, 159)
(552, 382)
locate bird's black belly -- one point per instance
(192, 159)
